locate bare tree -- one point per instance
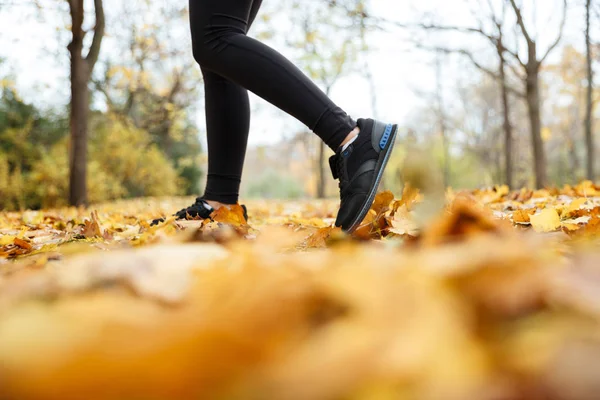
(327, 59)
(496, 38)
(441, 118)
(81, 72)
(531, 79)
(589, 117)
(527, 71)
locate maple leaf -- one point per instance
(231, 215)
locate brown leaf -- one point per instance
(23, 244)
(92, 228)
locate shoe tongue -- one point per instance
(362, 123)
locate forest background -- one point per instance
(496, 92)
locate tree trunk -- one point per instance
(507, 126)
(321, 184)
(573, 160)
(589, 138)
(79, 129)
(79, 109)
(535, 122)
(81, 71)
(442, 121)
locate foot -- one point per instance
(201, 209)
(359, 167)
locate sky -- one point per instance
(401, 74)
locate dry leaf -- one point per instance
(546, 221)
(232, 215)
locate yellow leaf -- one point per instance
(6, 239)
(574, 206)
(546, 221)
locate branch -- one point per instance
(560, 33)
(491, 38)
(515, 71)
(460, 29)
(521, 22)
(76, 11)
(477, 64)
(94, 51)
(100, 87)
(493, 16)
(514, 55)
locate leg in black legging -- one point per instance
(221, 46)
(228, 124)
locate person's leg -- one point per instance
(227, 126)
(227, 123)
(220, 45)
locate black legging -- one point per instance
(231, 62)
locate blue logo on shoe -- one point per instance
(386, 136)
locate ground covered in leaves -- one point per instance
(489, 294)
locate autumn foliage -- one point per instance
(492, 295)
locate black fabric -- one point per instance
(231, 62)
(357, 167)
(200, 209)
(362, 147)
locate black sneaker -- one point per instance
(199, 210)
(359, 168)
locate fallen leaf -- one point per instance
(23, 244)
(232, 215)
(523, 216)
(545, 221)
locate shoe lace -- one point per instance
(198, 208)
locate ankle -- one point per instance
(352, 135)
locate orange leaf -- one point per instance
(523, 216)
(23, 244)
(232, 215)
(319, 238)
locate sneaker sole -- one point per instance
(384, 157)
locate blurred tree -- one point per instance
(123, 162)
(329, 42)
(589, 115)
(82, 67)
(530, 77)
(25, 132)
(490, 23)
(154, 82)
(272, 184)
